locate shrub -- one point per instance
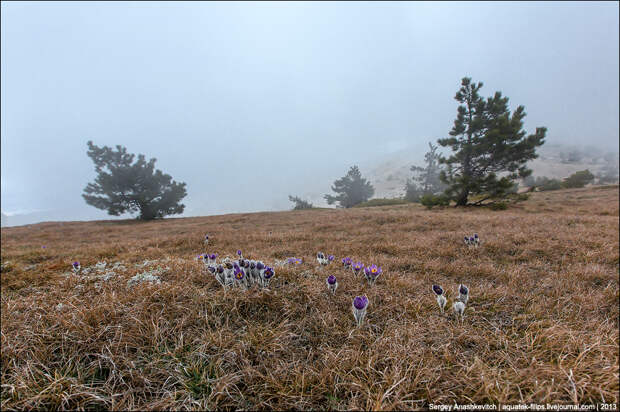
(545, 184)
(434, 200)
(498, 206)
(578, 179)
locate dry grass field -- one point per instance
(541, 324)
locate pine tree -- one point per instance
(487, 140)
(124, 186)
(300, 204)
(426, 180)
(352, 189)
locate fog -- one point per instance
(250, 102)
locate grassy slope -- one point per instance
(544, 302)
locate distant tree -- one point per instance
(413, 192)
(544, 184)
(426, 180)
(124, 186)
(578, 179)
(352, 189)
(300, 204)
(486, 140)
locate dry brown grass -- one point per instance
(544, 302)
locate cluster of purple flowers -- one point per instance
(208, 258)
(244, 273)
(472, 240)
(371, 272)
(324, 259)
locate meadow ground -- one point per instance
(541, 325)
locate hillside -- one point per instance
(541, 324)
(389, 175)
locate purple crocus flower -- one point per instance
(358, 267)
(76, 267)
(441, 299)
(206, 239)
(260, 265)
(239, 252)
(466, 240)
(267, 275)
(360, 304)
(346, 262)
(332, 283)
(295, 261)
(471, 240)
(463, 293)
(239, 275)
(372, 272)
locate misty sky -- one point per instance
(250, 102)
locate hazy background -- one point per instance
(248, 103)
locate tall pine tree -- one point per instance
(487, 140)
